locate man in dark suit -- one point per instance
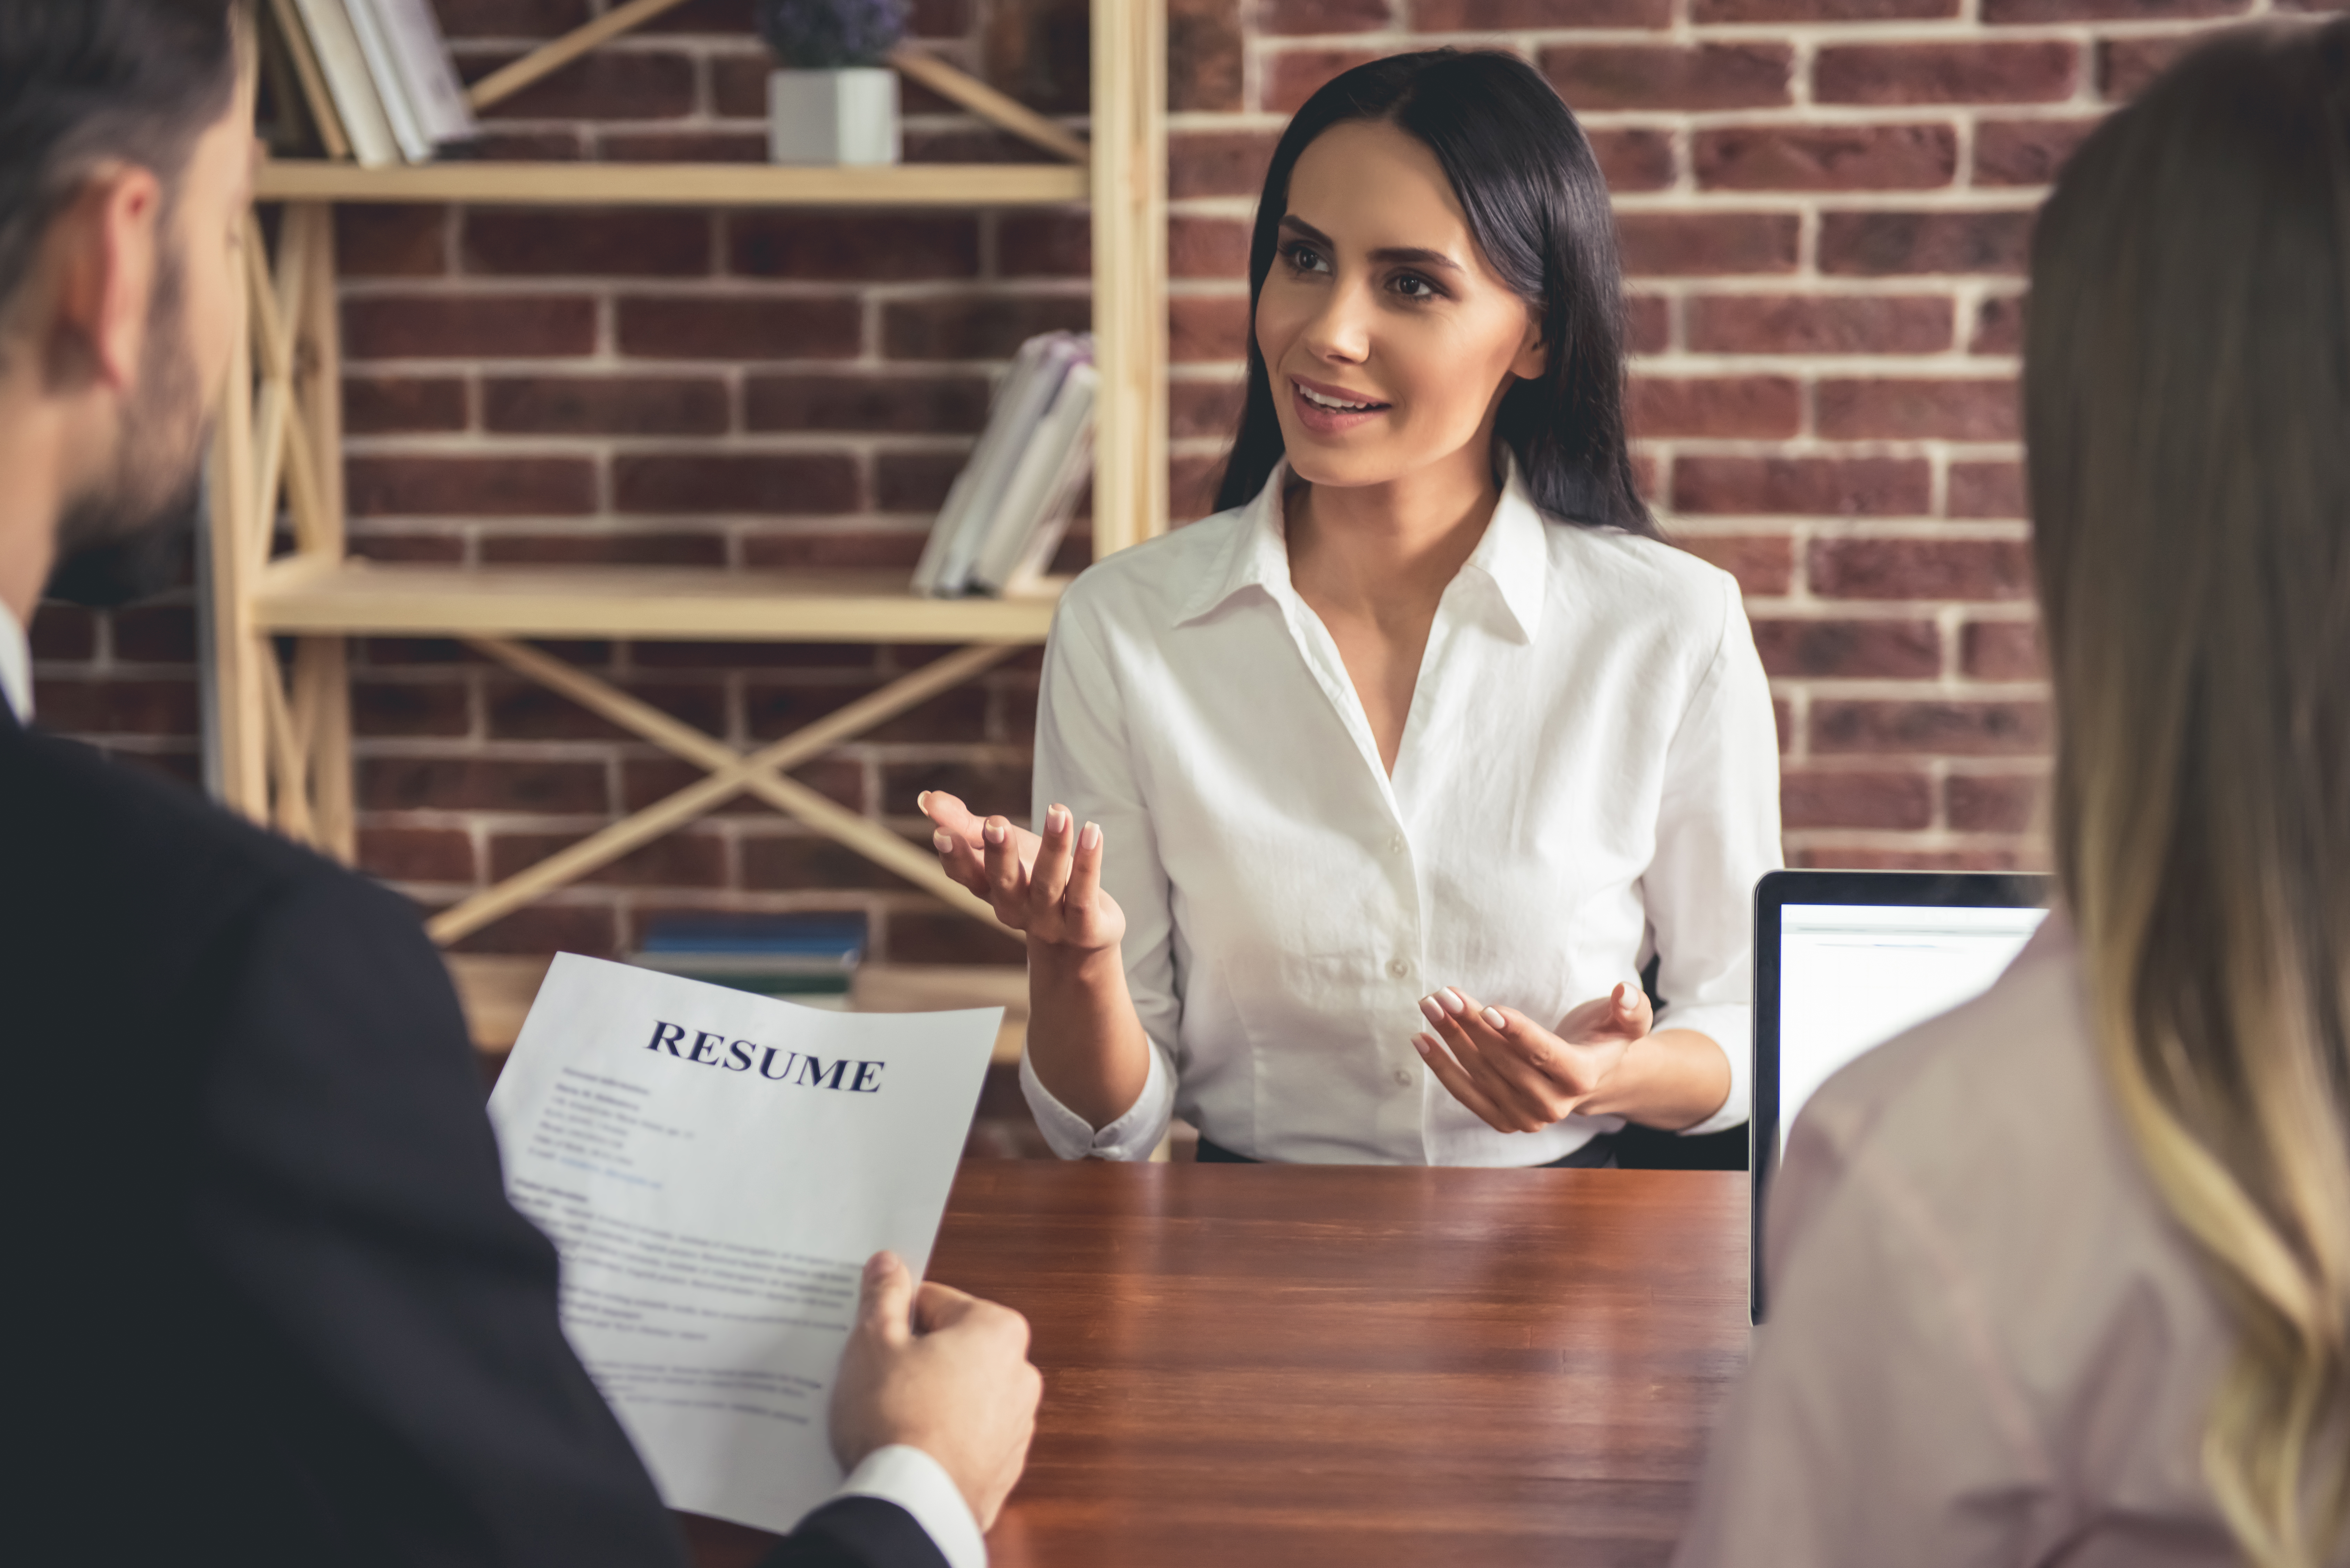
(267, 1304)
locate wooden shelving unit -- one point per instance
(283, 730)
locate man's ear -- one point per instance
(103, 252)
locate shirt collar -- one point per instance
(1513, 556)
(16, 667)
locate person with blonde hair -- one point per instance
(2064, 1275)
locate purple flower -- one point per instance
(825, 34)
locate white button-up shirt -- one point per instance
(1589, 774)
(15, 668)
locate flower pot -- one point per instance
(848, 116)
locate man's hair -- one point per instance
(85, 82)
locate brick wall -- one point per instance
(1824, 206)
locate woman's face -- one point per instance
(1389, 339)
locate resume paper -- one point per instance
(714, 1168)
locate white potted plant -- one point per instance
(835, 100)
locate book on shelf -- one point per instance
(377, 75)
(802, 956)
(1007, 510)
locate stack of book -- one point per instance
(375, 76)
(808, 957)
(1008, 508)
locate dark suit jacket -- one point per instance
(268, 1301)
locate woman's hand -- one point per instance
(1517, 1075)
(1049, 888)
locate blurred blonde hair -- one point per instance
(2187, 391)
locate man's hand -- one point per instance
(1514, 1074)
(1048, 887)
(942, 1372)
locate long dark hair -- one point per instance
(1537, 208)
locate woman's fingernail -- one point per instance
(1453, 1002)
(1428, 1005)
(922, 801)
(1090, 838)
(1421, 1043)
(943, 840)
(1493, 1019)
(995, 832)
(1057, 819)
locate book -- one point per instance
(344, 69)
(713, 1169)
(420, 56)
(1043, 491)
(293, 39)
(968, 518)
(390, 90)
(770, 955)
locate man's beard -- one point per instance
(128, 536)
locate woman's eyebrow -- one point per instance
(1411, 254)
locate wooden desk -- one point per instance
(1356, 1366)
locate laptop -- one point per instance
(1845, 961)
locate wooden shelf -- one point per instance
(678, 184)
(674, 603)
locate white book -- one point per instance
(427, 72)
(375, 45)
(345, 67)
(714, 1168)
(945, 566)
(1041, 479)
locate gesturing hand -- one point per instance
(1517, 1075)
(942, 1372)
(1049, 888)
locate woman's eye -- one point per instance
(1305, 258)
(1411, 285)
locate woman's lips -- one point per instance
(1326, 421)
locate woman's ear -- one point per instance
(1533, 354)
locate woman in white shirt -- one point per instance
(1419, 750)
(2063, 1277)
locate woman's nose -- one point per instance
(1341, 330)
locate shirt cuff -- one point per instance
(1730, 1026)
(1132, 1137)
(918, 1483)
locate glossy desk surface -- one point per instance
(1356, 1366)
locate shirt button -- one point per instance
(1403, 1077)
(1398, 968)
(1395, 844)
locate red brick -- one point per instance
(1915, 408)
(2002, 650)
(1920, 568)
(789, 864)
(977, 327)
(1996, 802)
(1633, 159)
(599, 405)
(589, 930)
(158, 706)
(479, 327)
(970, 144)
(503, 144)
(1883, 244)
(1999, 325)
(1783, 717)
(681, 147)
(1045, 244)
(525, 710)
(1294, 16)
(734, 328)
(1648, 323)
(409, 708)
(1853, 487)
(956, 716)
(566, 244)
(471, 486)
(439, 549)
(480, 784)
(155, 634)
(987, 788)
(605, 84)
(793, 485)
(825, 656)
(730, 19)
(913, 405)
(1955, 728)
(1660, 76)
(1292, 76)
(1204, 47)
(1207, 247)
(1689, 245)
(418, 854)
(391, 241)
(1753, 406)
(1764, 563)
(1706, 12)
(403, 405)
(1191, 482)
(645, 780)
(2125, 66)
(1986, 490)
(873, 548)
(1817, 324)
(1496, 16)
(1999, 13)
(853, 247)
(1217, 162)
(1826, 156)
(510, 19)
(684, 859)
(1207, 328)
(945, 937)
(2025, 152)
(914, 480)
(2038, 72)
(608, 547)
(738, 87)
(1851, 650)
(1812, 798)
(1203, 408)
(1876, 858)
(62, 631)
